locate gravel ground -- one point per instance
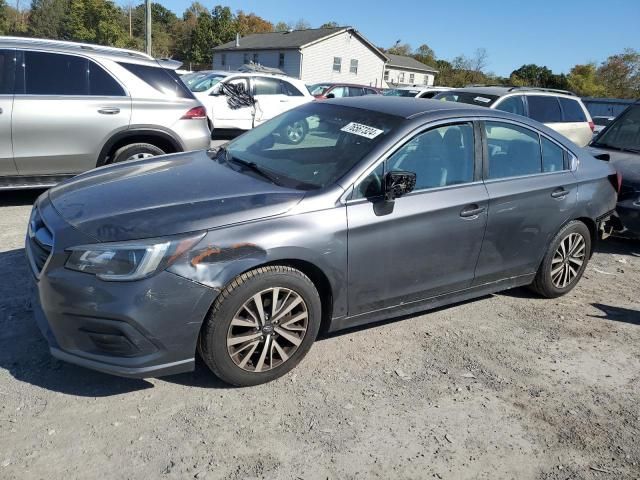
(506, 386)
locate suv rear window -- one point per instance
(162, 79)
(544, 108)
(571, 110)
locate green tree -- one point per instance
(301, 24)
(95, 21)
(281, 27)
(4, 21)
(47, 18)
(620, 74)
(331, 24)
(400, 49)
(584, 81)
(425, 54)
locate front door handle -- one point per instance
(560, 193)
(0, 110)
(471, 211)
(109, 110)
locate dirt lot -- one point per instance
(507, 386)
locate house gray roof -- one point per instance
(294, 39)
(409, 63)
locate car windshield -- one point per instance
(204, 84)
(191, 78)
(623, 133)
(318, 88)
(472, 98)
(312, 146)
(400, 92)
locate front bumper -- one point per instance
(145, 328)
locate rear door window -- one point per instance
(356, 91)
(552, 156)
(55, 74)
(512, 151)
(571, 110)
(7, 71)
(512, 105)
(289, 89)
(162, 79)
(544, 108)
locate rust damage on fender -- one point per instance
(214, 254)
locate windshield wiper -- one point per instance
(253, 167)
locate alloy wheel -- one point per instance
(139, 156)
(267, 329)
(568, 260)
(295, 132)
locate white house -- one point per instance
(401, 71)
(339, 54)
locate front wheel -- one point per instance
(261, 326)
(565, 261)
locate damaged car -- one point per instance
(243, 254)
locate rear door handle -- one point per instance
(109, 111)
(471, 211)
(560, 193)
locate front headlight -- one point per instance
(126, 261)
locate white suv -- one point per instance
(560, 110)
(242, 101)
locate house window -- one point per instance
(223, 59)
(401, 78)
(354, 66)
(386, 75)
(281, 60)
(411, 78)
(245, 58)
(255, 58)
(426, 79)
(337, 64)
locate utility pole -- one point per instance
(147, 27)
(130, 29)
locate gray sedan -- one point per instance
(387, 207)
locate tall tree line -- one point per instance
(190, 38)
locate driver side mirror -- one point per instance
(330, 95)
(217, 90)
(398, 183)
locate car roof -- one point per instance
(500, 91)
(341, 84)
(113, 53)
(407, 107)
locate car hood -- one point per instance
(627, 163)
(166, 195)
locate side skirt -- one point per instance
(430, 303)
(16, 182)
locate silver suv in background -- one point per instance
(559, 110)
(66, 108)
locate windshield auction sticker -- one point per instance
(361, 130)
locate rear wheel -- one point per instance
(261, 326)
(136, 151)
(565, 261)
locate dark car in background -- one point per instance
(387, 207)
(341, 90)
(619, 143)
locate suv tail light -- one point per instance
(196, 113)
(592, 125)
(616, 181)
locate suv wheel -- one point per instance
(136, 151)
(565, 261)
(261, 326)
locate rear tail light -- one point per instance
(592, 125)
(616, 181)
(196, 113)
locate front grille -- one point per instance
(39, 241)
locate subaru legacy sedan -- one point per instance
(388, 207)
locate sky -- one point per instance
(557, 34)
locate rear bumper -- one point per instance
(629, 213)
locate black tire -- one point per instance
(212, 343)
(543, 283)
(141, 150)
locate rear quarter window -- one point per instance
(544, 109)
(571, 110)
(162, 79)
